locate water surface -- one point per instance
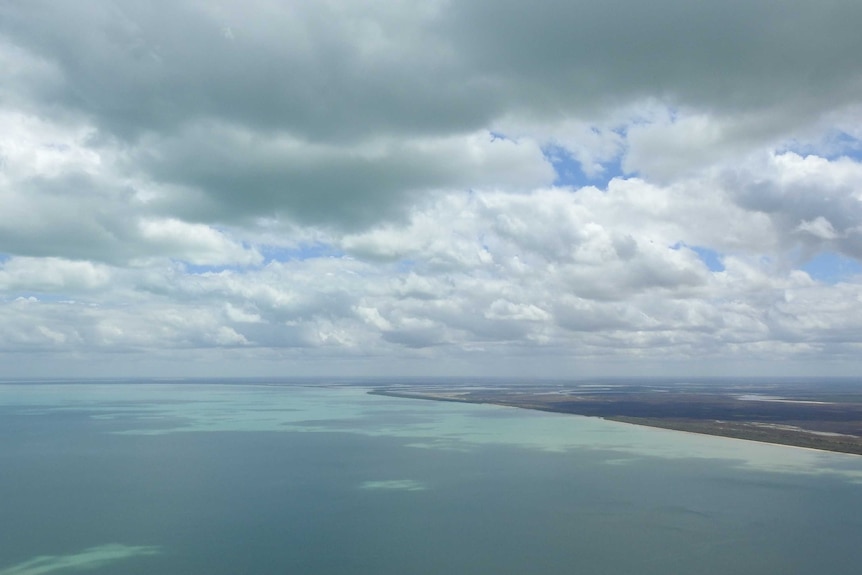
(225, 479)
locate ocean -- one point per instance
(249, 477)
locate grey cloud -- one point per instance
(320, 71)
(416, 337)
(277, 335)
(64, 218)
(559, 56)
(243, 175)
(585, 315)
(72, 215)
(344, 75)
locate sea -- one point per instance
(255, 477)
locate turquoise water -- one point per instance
(225, 479)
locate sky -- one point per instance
(555, 188)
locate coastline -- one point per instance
(725, 436)
(786, 436)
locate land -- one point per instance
(823, 414)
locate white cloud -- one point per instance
(196, 243)
(52, 275)
(819, 227)
(336, 184)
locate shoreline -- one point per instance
(753, 431)
(670, 429)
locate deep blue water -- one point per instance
(221, 479)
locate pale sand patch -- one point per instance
(393, 484)
(87, 559)
(776, 399)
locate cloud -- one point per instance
(810, 201)
(241, 174)
(52, 275)
(740, 56)
(377, 67)
(195, 243)
(820, 228)
(453, 186)
(302, 107)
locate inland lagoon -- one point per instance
(250, 477)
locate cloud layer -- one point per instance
(375, 187)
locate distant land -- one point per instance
(823, 414)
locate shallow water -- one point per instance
(210, 479)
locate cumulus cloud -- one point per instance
(390, 187)
(52, 275)
(195, 243)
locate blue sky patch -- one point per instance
(271, 254)
(570, 171)
(831, 267)
(836, 145)
(405, 266)
(842, 144)
(204, 269)
(711, 258)
(301, 253)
